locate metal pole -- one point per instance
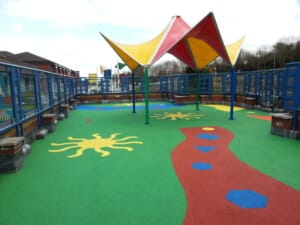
(197, 90)
(146, 93)
(133, 92)
(232, 93)
(295, 119)
(16, 97)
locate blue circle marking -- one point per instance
(205, 148)
(210, 137)
(247, 199)
(202, 166)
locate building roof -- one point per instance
(28, 59)
(8, 57)
(35, 59)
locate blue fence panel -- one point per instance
(163, 84)
(279, 83)
(124, 83)
(16, 98)
(205, 84)
(26, 93)
(258, 84)
(50, 88)
(246, 84)
(6, 107)
(266, 95)
(225, 83)
(291, 84)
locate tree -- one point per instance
(286, 50)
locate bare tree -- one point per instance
(286, 50)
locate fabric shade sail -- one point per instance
(234, 49)
(201, 45)
(147, 53)
(120, 65)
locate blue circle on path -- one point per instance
(205, 148)
(201, 166)
(208, 136)
(247, 199)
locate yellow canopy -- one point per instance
(197, 46)
(147, 53)
(234, 49)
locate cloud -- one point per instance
(73, 25)
(17, 27)
(61, 13)
(69, 50)
(232, 15)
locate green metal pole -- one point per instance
(232, 93)
(146, 93)
(197, 90)
(133, 92)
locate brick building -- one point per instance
(31, 60)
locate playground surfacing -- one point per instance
(186, 167)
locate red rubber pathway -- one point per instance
(222, 190)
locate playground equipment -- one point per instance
(24, 112)
(194, 46)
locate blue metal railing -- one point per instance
(27, 93)
(51, 89)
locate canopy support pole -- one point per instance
(232, 93)
(133, 92)
(146, 94)
(197, 90)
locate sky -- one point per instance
(67, 31)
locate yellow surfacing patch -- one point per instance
(225, 108)
(175, 116)
(208, 128)
(97, 143)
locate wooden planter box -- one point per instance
(90, 98)
(155, 97)
(49, 118)
(217, 98)
(282, 124)
(11, 154)
(227, 99)
(239, 99)
(181, 99)
(72, 103)
(192, 98)
(30, 128)
(282, 121)
(205, 98)
(138, 97)
(249, 101)
(49, 121)
(117, 98)
(64, 108)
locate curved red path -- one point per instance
(206, 190)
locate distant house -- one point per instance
(31, 60)
(10, 58)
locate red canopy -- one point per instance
(201, 45)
